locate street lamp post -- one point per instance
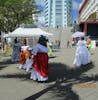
(2, 45)
(59, 38)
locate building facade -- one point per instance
(88, 10)
(88, 17)
(58, 13)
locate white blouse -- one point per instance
(39, 48)
(24, 47)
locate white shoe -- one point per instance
(32, 78)
(27, 70)
(24, 67)
(20, 66)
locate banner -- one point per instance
(93, 44)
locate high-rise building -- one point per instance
(58, 13)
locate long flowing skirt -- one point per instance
(15, 56)
(40, 69)
(24, 56)
(35, 75)
(82, 57)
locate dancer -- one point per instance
(82, 56)
(29, 60)
(68, 44)
(89, 43)
(16, 51)
(40, 69)
(50, 47)
(24, 54)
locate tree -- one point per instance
(15, 12)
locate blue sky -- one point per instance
(76, 4)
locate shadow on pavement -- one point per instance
(63, 92)
(2, 67)
(24, 76)
(5, 63)
(62, 71)
(64, 80)
(63, 77)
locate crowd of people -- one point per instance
(36, 59)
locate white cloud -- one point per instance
(41, 19)
(75, 5)
(40, 2)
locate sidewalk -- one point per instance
(63, 83)
(16, 85)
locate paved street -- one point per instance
(63, 84)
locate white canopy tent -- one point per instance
(28, 32)
(32, 34)
(78, 34)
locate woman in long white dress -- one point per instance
(40, 69)
(82, 55)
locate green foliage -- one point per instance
(15, 12)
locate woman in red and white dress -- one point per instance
(40, 69)
(24, 54)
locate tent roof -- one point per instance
(28, 32)
(78, 34)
